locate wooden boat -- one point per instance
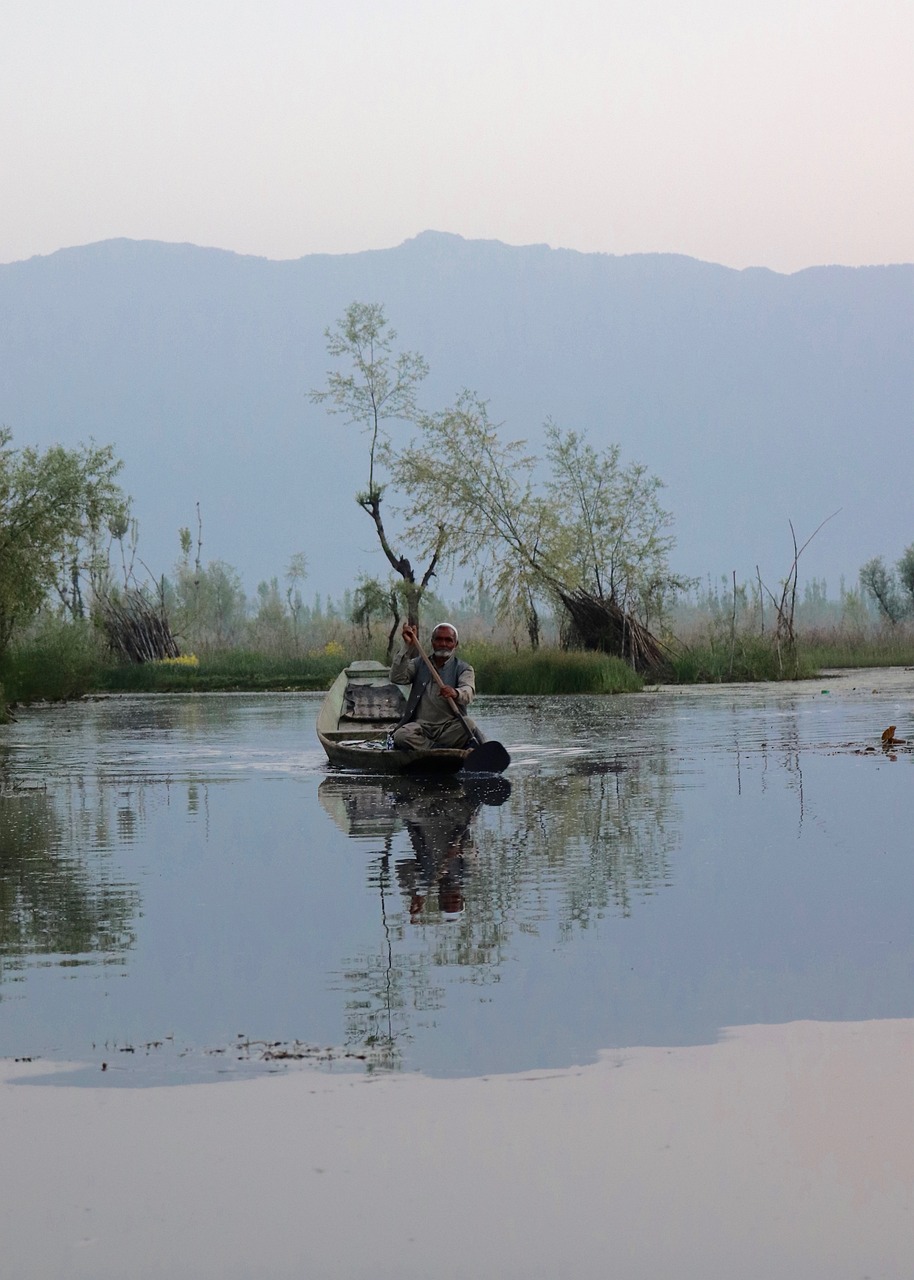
(359, 711)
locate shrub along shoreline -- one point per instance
(56, 669)
(65, 664)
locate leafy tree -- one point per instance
(595, 526)
(379, 386)
(374, 599)
(905, 571)
(477, 600)
(53, 506)
(296, 574)
(271, 630)
(878, 583)
(891, 590)
(468, 497)
(612, 536)
(208, 605)
(488, 504)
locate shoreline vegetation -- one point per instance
(564, 571)
(65, 662)
(566, 566)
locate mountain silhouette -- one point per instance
(756, 397)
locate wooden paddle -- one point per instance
(485, 757)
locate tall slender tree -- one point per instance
(593, 533)
(377, 386)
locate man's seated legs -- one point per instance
(418, 737)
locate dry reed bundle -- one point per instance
(137, 627)
(601, 625)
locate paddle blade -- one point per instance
(488, 757)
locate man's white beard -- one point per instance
(442, 653)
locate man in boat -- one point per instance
(429, 720)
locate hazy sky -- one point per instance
(777, 134)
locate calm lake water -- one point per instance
(186, 888)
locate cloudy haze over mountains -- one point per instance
(644, 143)
(757, 397)
(776, 134)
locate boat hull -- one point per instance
(368, 758)
(360, 710)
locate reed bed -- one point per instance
(497, 671)
(69, 662)
(63, 661)
(892, 647)
(225, 671)
(58, 663)
(549, 671)
(749, 657)
(746, 659)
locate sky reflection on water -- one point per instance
(181, 875)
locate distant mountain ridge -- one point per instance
(756, 397)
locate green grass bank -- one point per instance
(65, 661)
(750, 657)
(549, 671)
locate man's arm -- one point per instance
(403, 668)
(405, 664)
(466, 687)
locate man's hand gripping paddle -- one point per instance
(484, 757)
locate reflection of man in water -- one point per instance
(438, 823)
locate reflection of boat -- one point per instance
(376, 808)
(359, 711)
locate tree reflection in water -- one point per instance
(385, 988)
(54, 899)
(597, 838)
